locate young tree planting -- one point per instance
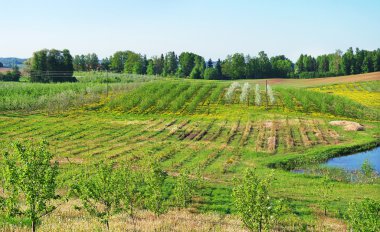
(325, 193)
(244, 96)
(131, 185)
(183, 190)
(364, 216)
(230, 91)
(253, 203)
(101, 192)
(29, 174)
(272, 100)
(257, 95)
(154, 197)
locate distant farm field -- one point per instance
(321, 81)
(215, 128)
(4, 70)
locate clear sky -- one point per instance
(211, 28)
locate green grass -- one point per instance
(187, 126)
(203, 98)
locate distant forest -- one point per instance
(236, 66)
(58, 66)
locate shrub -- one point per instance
(253, 203)
(231, 90)
(364, 215)
(271, 95)
(29, 173)
(183, 190)
(257, 95)
(367, 168)
(244, 96)
(100, 192)
(154, 190)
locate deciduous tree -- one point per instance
(29, 172)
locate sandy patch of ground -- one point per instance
(348, 125)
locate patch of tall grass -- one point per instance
(110, 77)
(52, 97)
(311, 101)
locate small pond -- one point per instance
(354, 162)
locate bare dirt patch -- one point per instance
(319, 81)
(348, 125)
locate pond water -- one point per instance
(354, 162)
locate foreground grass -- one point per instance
(66, 218)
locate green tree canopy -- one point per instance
(51, 66)
(233, 67)
(211, 74)
(170, 64)
(117, 61)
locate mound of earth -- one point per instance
(348, 125)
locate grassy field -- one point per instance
(196, 126)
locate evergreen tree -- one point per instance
(210, 64)
(170, 64)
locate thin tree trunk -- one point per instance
(108, 225)
(260, 226)
(33, 226)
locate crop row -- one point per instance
(264, 135)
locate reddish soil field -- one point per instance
(320, 81)
(3, 70)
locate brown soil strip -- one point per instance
(246, 133)
(260, 137)
(334, 135)
(232, 132)
(218, 133)
(204, 132)
(318, 133)
(175, 129)
(303, 131)
(272, 140)
(289, 136)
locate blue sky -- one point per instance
(211, 28)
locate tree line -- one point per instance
(51, 66)
(58, 66)
(236, 66)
